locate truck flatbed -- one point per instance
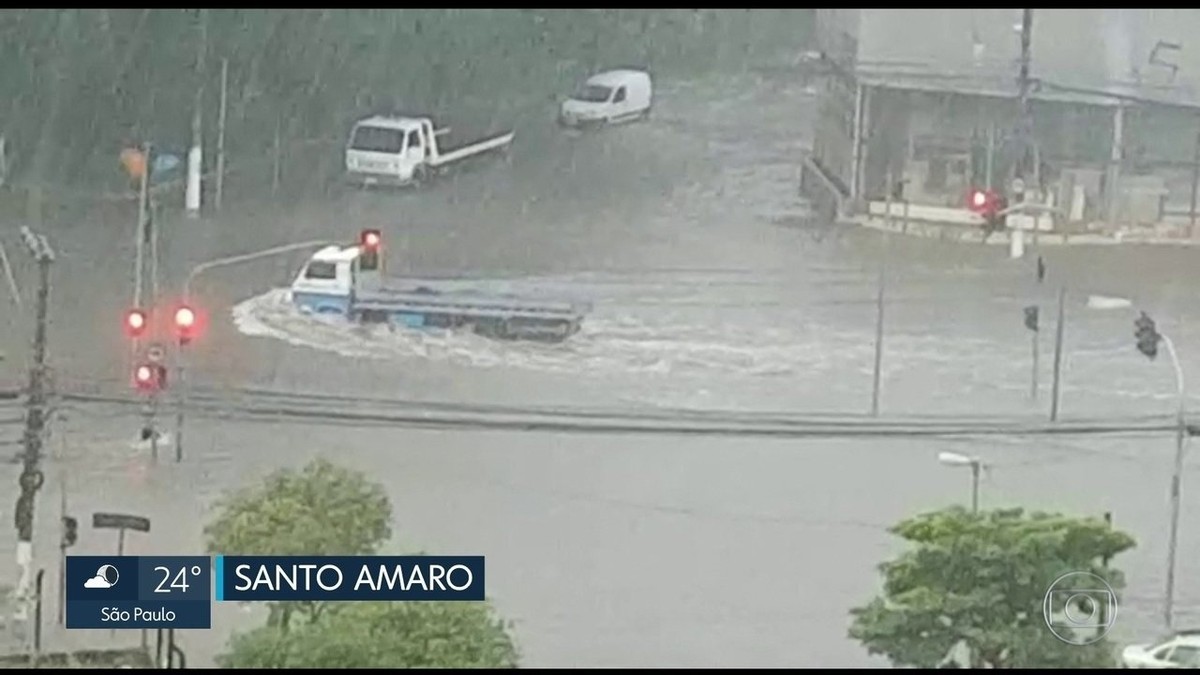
(497, 316)
(453, 145)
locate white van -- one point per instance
(611, 97)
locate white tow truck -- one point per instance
(349, 281)
(396, 150)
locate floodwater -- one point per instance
(710, 290)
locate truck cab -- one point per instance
(610, 97)
(326, 283)
(390, 150)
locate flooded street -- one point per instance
(709, 292)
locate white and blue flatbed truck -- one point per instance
(348, 281)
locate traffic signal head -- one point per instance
(135, 322)
(1031, 317)
(149, 376)
(984, 202)
(1147, 335)
(185, 323)
(978, 200)
(70, 533)
(370, 239)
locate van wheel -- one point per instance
(645, 115)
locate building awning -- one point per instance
(992, 83)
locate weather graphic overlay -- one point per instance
(138, 592)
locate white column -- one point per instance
(195, 163)
(1114, 166)
(1016, 247)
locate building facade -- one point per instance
(922, 106)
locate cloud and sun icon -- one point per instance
(106, 577)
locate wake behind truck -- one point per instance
(396, 150)
(349, 281)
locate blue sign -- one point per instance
(356, 578)
(162, 166)
(138, 592)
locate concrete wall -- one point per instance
(837, 34)
(1085, 46)
(833, 133)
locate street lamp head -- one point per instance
(955, 459)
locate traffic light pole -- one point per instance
(1059, 329)
(31, 477)
(1176, 480)
(63, 545)
(180, 371)
(181, 351)
(1033, 375)
(140, 234)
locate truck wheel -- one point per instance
(420, 175)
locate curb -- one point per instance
(968, 235)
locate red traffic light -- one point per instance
(185, 317)
(149, 376)
(135, 322)
(371, 239)
(983, 202)
(979, 199)
(185, 323)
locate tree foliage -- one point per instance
(979, 581)
(321, 509)
(382, 635)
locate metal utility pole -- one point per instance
(1058, 349)
(1176, 480)
(195, 164)
(221, 116)
(31, 477)
(1195, 186)
(141, 233)
(976, 466)
(1033, 323)
(1024, 86)
(879, 307)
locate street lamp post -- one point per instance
(1176, 479)
(1148, 338)
(955, 459)
(181, 352)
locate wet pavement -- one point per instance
(709, 292)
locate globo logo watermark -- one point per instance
(1080, 608)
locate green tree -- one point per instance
(382, 635)
(979, 581)
(322, 509)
